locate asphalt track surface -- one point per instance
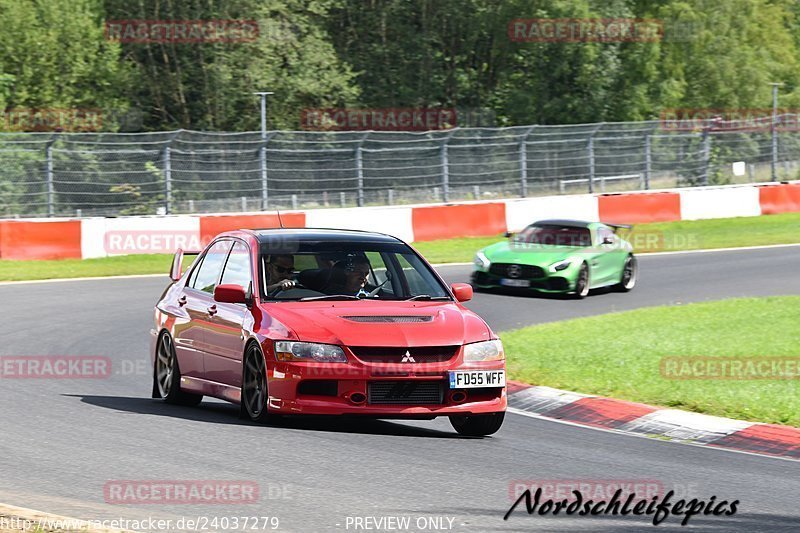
(61, 441)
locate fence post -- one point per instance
(263, 163)
(706, 154)
(48, 152)
(648, 161)
(590, 150)
(523, 163)
(445, 172)
(167, 180)
(359, 177)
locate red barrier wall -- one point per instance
(443, 222)
(211, 226)
(640, 208)
(783, 198)
(40, 240)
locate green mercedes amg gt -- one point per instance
(558, 256)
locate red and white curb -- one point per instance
(646, 420)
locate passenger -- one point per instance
(356, 270)
(279, 273)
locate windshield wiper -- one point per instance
(330, 297)
(426, 297)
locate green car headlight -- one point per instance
(484, 351)
(481, 261)
(561, 265)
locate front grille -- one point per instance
(399, 319)
(406, 392)
(526, 271)
(419, 354)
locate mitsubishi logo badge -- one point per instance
(407, 358)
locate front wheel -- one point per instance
(254, 386)
(167, 375)
(629, 273)
(582, 283)
(477, 425)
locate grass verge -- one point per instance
(668, 236)
(620, 355)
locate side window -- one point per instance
(237, 269)
(209, 270)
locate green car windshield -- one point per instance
(555, 235)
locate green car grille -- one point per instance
(521, 271)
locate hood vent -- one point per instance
(391, 319)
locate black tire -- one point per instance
(167, 375)
(477, 425)
(630, 271)
(253, 405)
(582, 284)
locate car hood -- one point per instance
(532, 254)
(447, 323)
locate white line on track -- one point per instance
(437, 265)
(651, 439)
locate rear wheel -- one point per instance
(582, 283)
(167, 375)
(629, 273)
(477, 425)
(254, 386)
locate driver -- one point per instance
(279, 273)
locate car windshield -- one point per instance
(554, 235)
(319, 270)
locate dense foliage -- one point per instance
(396, 53)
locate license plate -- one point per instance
(515, 282)
(471, 379)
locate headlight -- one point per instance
(481, 261)
(484, 351)
(309, 351)
(561, 265)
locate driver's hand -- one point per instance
(283, 285)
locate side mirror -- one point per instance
(462, 291)
(230, 293)
(175, 270)
(608, 240)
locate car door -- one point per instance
(226, 331)
(605, 263)
(197, 299)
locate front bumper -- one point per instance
(334, 389)
(555, 283)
